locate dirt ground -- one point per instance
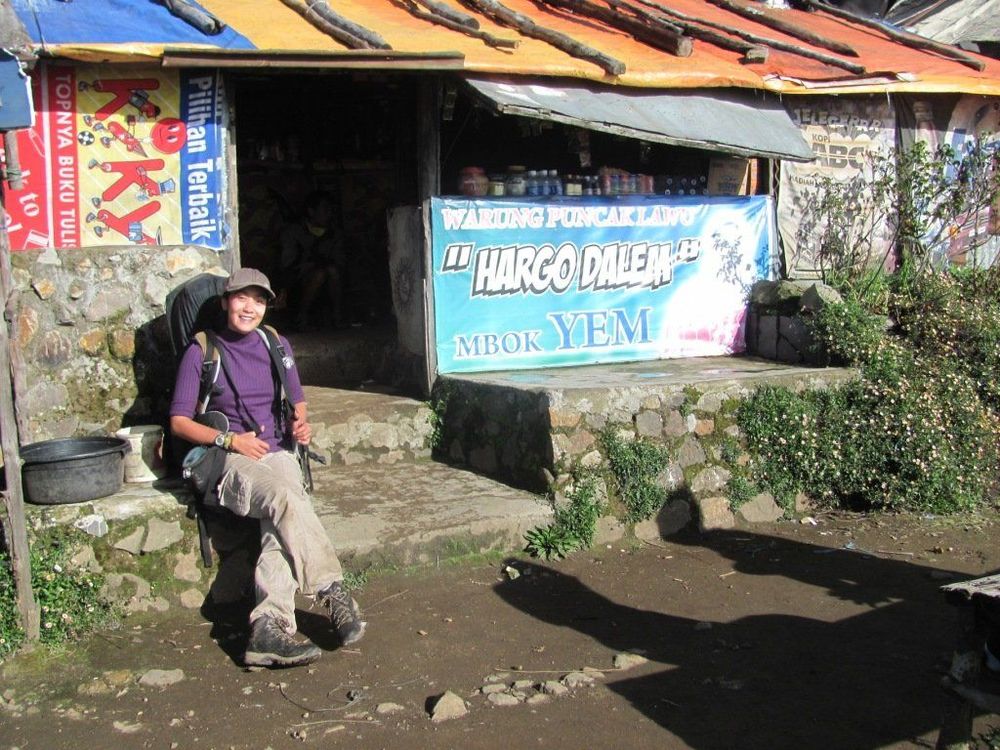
(787, 636)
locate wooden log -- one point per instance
(766, 41)
(328, 14)
(666, 38)
(903, 37)
(13, 497)
(521, 23)
(752, 53)
(347, 39)
(446, 11)
(448, 23)
(780, 24)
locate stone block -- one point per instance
(608, 529)
(704, 427)
(55, 350)
(760, 509)
(671, 478)
(674, 425)
(714, 513)
(123, 343)
(484, 459)
(563, 417)
(690, 453)
(710, 479)
(670, 519)
(44, 288)
(766, 341)
(162, 534)
(794, 331)
(818, 296)
(92, 341)
(649, 424)
(27, 325)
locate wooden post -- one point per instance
(429, 185)
(27, 605)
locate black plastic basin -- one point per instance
(73, 470)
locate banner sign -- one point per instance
(568, 281)
(120, 156)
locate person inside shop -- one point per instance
(261, 476)
(313, 265)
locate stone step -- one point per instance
(366, 426)
(400, 514)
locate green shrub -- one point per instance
(635, 465)
(917, 430)
(574, 523)
(67, 597)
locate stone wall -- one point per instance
(537, 439)
(89, 325)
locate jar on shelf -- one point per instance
(497, 185)
(516, 183)
(473, 181)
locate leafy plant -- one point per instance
(635, 465)
(573, 525)
(67, 596)
(901, 214)
(550, 542)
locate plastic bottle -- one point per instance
(531, 184)
(555, 184)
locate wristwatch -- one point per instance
(220, 440)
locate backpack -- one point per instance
(194, 306)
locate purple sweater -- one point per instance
(250, 365)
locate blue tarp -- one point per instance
(115, 22)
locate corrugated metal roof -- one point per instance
(950, 21)
(733, 121)
(118, 29)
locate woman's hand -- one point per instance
(249, 445)
(301, 429)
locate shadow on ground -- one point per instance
(772, 679)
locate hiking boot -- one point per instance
(271, 646)
(345, 614)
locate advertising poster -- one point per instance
(120, 156)
(551, 282)
(844, 134)
(974, 237)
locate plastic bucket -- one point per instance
(72, 470)
(145, 462)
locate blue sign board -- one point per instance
(541, 282)
(16, 111)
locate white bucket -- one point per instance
(144, 462)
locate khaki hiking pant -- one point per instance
(295, 550)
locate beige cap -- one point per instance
(246, 277)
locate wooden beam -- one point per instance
(312, 11)
(524, 25)
(13, 496)
(446, 11)
(780, 24)
(664, 37)
(766, 41)
(462, 28)
(752, 53)
(903, 37)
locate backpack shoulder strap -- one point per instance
(279, 357)
(211, 364)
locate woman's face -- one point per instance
(245, 309)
